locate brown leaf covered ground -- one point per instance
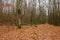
(41, 32)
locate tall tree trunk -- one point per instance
(19, 3)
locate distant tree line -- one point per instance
(31, 14)
(54, 12)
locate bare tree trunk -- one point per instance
(1, 6)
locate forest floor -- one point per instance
(41, 32)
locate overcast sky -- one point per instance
(43, 3)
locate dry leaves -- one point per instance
(41, 32)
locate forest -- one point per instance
(29, 19)
(24, 12)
